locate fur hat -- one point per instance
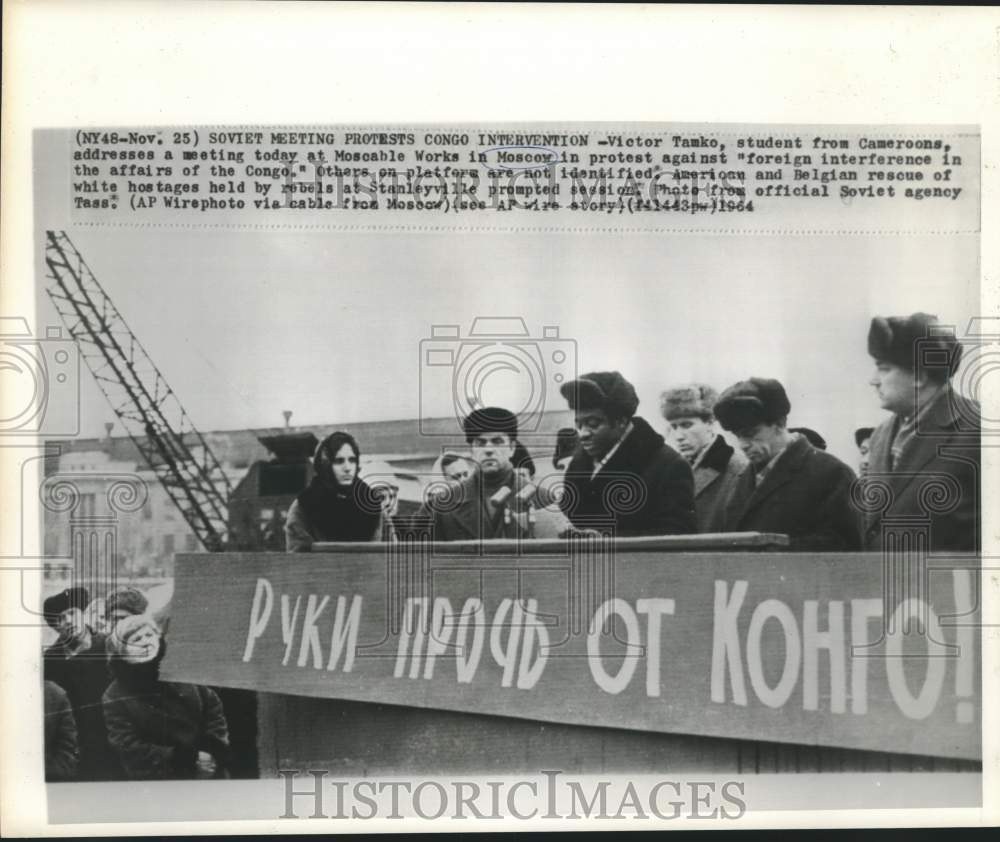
(694, 401)
(915, 342)
(490, 419)
(124, 631)
(56, 604)
(606, 390)
(125, 598)
(759, 400)
(861, 434)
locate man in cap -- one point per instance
(77, 663)
(124, 601)
(932, 439)
(624, 476)
(789, 486)
(689, 410)
(482, 505)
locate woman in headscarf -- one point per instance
(159, 729)
(337, 505)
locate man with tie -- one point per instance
(924, 459)
(789, 486)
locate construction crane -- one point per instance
(147, 407)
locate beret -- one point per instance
(63, 601)
(916, 340)
(759, 400)
(606, 390)
(861, 434)
(687, 401)
(490, 419)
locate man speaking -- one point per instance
(624, 480)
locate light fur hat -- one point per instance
(124, 631)
(692, 400)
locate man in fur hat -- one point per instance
(76, 662)
(624, 478)
(789, 486)
(932, 437)
(482, 505)
(124, 601)
(689, 410)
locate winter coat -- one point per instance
(806, 495)
(716, 473)
(465, 514)
(85, 677)
(62, 754)
(645, 488)
(935, 480)
(320, 513)
(158, 727)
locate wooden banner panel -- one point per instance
(820, 649)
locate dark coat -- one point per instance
(158, 727)
(943, 457)
(62, 754)
(85, 677)
(331, 514)
(464, 514)
(806, 495)
(716, 473)
(646, 488)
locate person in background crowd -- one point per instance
(337, 505)
(567, 443)
(523, 464)
(624, 474)
(94, 616)
(789, 486)
(863, 440)
(716, 465)
(811, 436)
(452, 466)
(933, 436)
(62, 753)
(77, 663)
(160, 729)
(124, 601)
(481, 505)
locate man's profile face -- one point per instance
(863, 450)
(457, 470)
(692, 435)
(598, 433)
(760, 443)
(895, 387)
(493, 452)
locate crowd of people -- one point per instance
(108, 715)
(730, 463)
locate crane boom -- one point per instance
(147, 407)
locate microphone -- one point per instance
(525, 496)
(500, 496)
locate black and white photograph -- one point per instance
(548, 471)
